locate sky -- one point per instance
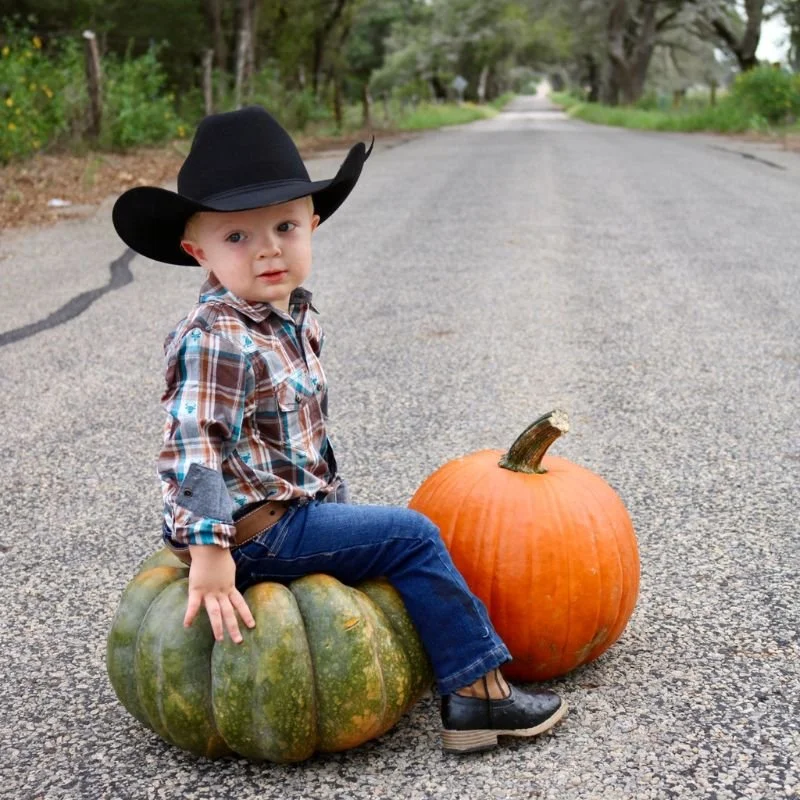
(774, 43)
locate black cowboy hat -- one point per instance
(238, 160)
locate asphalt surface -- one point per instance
(477, 277)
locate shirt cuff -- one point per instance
(188, 529)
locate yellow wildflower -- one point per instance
(32, 87)
(6, 50)
(181, 131)
(37, 42)
(12, 126)
(28, 54)
(36, 143)
(48, 92)
(9, 101)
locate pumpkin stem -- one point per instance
(527, 452)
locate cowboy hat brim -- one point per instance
(151, 220)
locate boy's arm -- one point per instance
(207, 385)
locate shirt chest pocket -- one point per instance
(285, 410)
(295, 391)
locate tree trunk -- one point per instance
(743, 49)
(213, 10)
(320, 41)
(592, 77)
(338, 114)
(482, 83)
(243, 50)
(631, 42)
(208, 89)
(93, 78)
(251, 60)
(366, 105)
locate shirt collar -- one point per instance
(212, 289)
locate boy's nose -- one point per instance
(268, 248)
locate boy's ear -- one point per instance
(195, 252)
(314, 222)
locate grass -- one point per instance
(724, 117)
(402, 117)
(431, 115)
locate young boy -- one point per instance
(250, 483)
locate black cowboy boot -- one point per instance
(474, 723)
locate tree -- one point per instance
(633, 33)
(721, 21)
(791, 14)
(367, 45)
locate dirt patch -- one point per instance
(48, 188)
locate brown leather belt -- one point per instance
(248, 526)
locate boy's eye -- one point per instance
(235, 237)
(285, 227)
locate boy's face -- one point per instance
(260, 255)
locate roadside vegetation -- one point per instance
(336, 70)
(45, 99)
(762, 100)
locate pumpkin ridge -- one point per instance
(531, 567)
(601, 567)
(367, 613)
(612, 523)
(393, 704)
(591, 513)
(120, 654)
(567, 561)
(624, 610)
(485, 512)
(450, 483)
(387, 601)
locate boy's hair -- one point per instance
(192, 221)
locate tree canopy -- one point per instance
(356, 49)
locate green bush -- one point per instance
(295, 109)
(769, 93)
(136, 110)
(38, 103)
(44, 99)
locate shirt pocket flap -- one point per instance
(295, 390)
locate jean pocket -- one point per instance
(268, 543)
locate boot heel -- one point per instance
(468, 741)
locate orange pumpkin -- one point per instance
(547, 545)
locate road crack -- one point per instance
(748, 155)
(121, 275)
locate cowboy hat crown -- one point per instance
(238, 160)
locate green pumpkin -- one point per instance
(326, 668)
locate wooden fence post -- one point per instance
(93, 78)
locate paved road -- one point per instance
(477, 277)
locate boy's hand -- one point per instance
(212, 583)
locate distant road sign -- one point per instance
(459, 83)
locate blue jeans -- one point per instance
(355, 542)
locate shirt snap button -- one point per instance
(187, 492)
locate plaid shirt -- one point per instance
(246, 403)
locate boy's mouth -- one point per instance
(272, 276)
